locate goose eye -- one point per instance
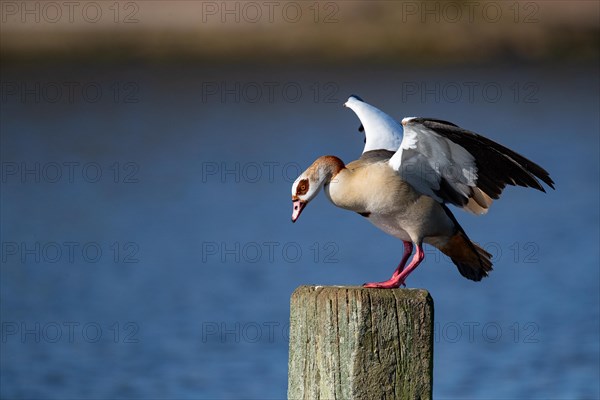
(302, 187)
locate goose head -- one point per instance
(382, 132)
(309, 183)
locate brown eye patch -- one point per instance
(302, 187)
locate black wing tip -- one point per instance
(435, 120)
(530, 171)
(536, 172)
(547, 180)
(520, 170)
(529, 177)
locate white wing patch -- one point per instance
(425, 158)
(382, 132)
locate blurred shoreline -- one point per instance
(301, 33)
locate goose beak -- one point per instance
(297, 209)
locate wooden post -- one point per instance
(357, 343)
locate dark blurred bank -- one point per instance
(301, 32)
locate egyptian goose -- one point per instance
(408, 174)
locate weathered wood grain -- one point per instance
(358, 343)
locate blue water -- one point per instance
(147, 249)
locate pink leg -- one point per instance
(398, 279)
(408, 248)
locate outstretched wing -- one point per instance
(382, 132)
(460, 167)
